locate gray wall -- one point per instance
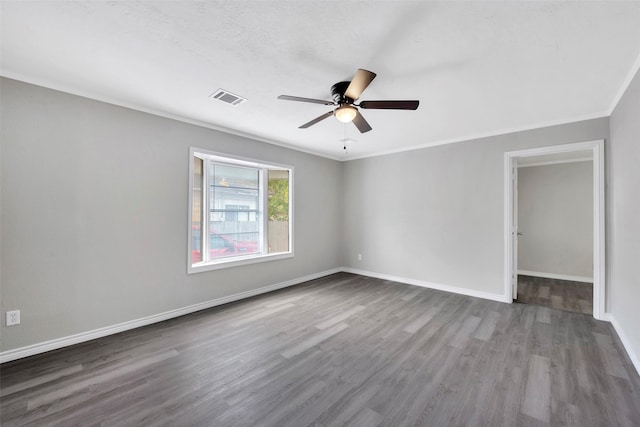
(624, 215)
(437, 214)
(555, 215)
(94, 215)
(93, 202)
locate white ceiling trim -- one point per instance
(625, 85)
(73, 91)
(485, 135)
(556, 162)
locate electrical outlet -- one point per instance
(13, 317)
(359, 257)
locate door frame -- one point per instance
(510, 175)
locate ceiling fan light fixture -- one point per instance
(344, 95)
(346, 113)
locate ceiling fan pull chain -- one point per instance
(344, 139)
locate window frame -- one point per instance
(234, 261)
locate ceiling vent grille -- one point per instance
(227, 97)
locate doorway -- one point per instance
(560, 154)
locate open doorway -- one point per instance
(554, 241)
(571, 269)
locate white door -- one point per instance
(514, 230)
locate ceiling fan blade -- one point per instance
(311, 100)
(316, 120)
(361, 123)
(390, 105)
(359, 83)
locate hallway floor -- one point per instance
(560, 294)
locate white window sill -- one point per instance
(236, 262)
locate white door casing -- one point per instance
(514, 229)
(511, 222)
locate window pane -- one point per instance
(196, 211)
(234, 204)
(240, 211)
(278, 232)
(234, 176)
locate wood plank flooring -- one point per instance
(555, 293)
(341, 350)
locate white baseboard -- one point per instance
(38, 348)
(31, 350)
(415, 282)
(625, 342)
(606, 317)
(556, 276)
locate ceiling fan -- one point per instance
(344, 96)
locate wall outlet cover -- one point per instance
(13, 317)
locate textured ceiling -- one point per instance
(478, 68)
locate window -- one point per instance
(242, 206)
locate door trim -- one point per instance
(510, 161)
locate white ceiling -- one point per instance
(478, 68)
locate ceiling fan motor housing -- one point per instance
(337, 93)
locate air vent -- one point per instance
(227, 97)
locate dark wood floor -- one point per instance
(560, 294)
(342, 350)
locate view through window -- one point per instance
(242, 207)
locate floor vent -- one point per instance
(227, 97)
